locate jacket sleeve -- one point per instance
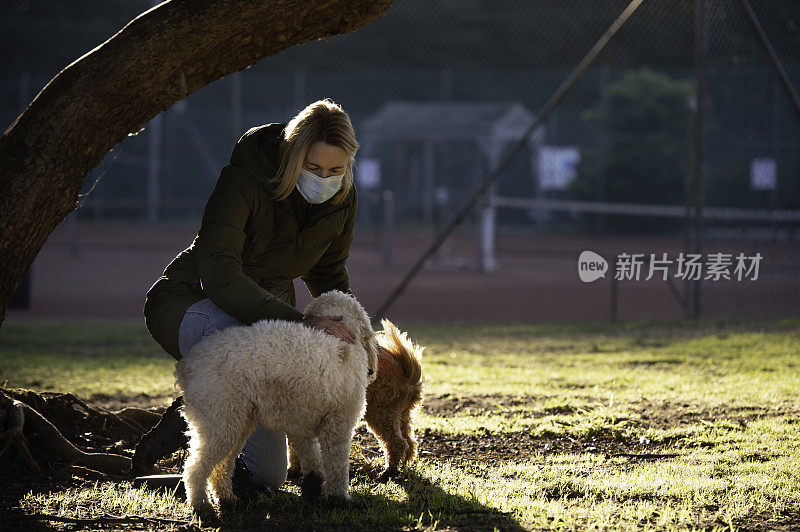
(219, 247)
(330, 271)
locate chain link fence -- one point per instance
(625, 138)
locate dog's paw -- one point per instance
(311, 486)
(229, 504)
(388, 474)
(339, 501)
(204, 510)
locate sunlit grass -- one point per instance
(108, 498)
(88, 359)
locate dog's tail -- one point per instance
(405, 353)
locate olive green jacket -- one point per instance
(251, 246)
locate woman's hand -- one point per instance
(332, 325)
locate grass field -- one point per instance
(636, 426)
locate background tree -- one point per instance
(158, 58)
(645, 157)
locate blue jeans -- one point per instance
(265, 451)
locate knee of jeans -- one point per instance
(221, 322)
(192, 329)
(265, 454)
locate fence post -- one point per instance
(388, 226)
(701, 53)
(488, 219)
(428, 180)
(154, 169)
(236, 106)
(154, 163)
(614, 288)
(299, 88)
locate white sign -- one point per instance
(763, 174)
(558, 166)
(368, 173)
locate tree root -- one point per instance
(13, 447)
(33, 429)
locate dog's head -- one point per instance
(336, 303)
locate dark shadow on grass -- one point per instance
(12, 490)
(451, 510)
(427, 504)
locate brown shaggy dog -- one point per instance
(392, 400)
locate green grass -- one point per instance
(717, 400)
(93, 360)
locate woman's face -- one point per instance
(325, 160)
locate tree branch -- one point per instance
(172, 50)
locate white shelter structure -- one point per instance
(492, 126)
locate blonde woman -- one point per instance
(283, 208)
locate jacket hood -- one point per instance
(258, 152)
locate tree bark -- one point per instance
(172, 50)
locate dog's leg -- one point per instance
(408, 433)
(220, 480)
(335, 437)
(390, 433)
(211, 440)
(195, 473)
(222, 476)
(307, 454)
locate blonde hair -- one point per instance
(323, 121)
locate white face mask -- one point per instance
(316, 189)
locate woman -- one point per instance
(283, 208)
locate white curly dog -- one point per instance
(287, 377)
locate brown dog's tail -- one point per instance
(406, 354)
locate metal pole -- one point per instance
(24, 91)
(388, 226)
(605, 80)
(486, 232)
(446, 84)
(614, 289)
(154, 163)
(773, 57)
(300, 88)
(154, 169)
(551, 104)
(236, 106)
(701, 53)
(428, 181)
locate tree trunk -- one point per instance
(172, 50)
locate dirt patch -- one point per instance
(143, 401)
(648, 414)
(520, 445)
(786, 520)
(447, 405)
(670, 414)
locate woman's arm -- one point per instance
(218, 248)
